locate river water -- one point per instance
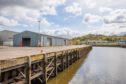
(103, 65)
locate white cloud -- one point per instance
(109, 29)
(96, 4)
(91, 18)
(27, 15)
(90, 3)
(20, 13)
(45, 22)
(47, 10)
(74, 9)
(55, 2)
(8, 22)
(46, 6)
(116, 16)
(62, 32)
(104, 9)
(29, 11)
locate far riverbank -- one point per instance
(122, 46)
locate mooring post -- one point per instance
(28, 71)
(55, 64)
(44, 68)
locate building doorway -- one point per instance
(49, 41)
(26, 41)
(65, 42)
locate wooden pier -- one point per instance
(37, 64)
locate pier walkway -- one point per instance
(21, 65)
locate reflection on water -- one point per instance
(104, 65)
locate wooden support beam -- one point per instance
(70, 58)
(40, 68)
(78, 53)
(62, 61)
(28, 70)
(55, 64)
(0, 71)
(40, 79)
(50, 63)
(21, 73)
(67, 58)
(50, 74)
(73, 57)
(45, 69)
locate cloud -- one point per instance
(49, 6)
(62, 32)
(91, 18)
(105, 9)
(8, 22)
(48, 10)
(28, 11)
(45, 22)
(109, 29)
(31, 3)
(21, 13)
(116, 16)
(46, 6)
(74, 9)
(96, 4)
(90, 3)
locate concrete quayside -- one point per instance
(22, 65)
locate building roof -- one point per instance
(43, 34)
(6, 35)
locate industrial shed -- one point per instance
(33, 39)
(6, 37)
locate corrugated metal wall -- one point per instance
(18, 38)
(36, 38)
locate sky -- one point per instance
(67, 18)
